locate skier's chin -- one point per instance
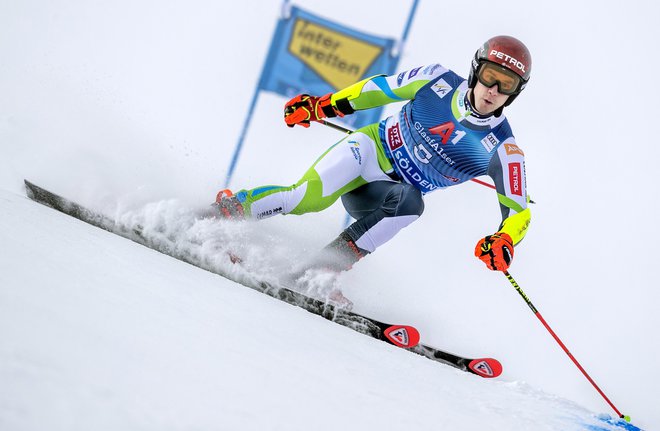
(486, 107)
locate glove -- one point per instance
(305, 108)
(496, 251)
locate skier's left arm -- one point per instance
(507, 169)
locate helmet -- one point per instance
(505, 51)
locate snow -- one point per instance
(100, 332)
(133, 109)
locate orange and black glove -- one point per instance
(305, 108)
(496, 251)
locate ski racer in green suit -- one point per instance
(451, 131)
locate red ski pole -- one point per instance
(563, 346)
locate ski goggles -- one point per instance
(507, 81)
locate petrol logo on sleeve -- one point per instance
(514, 179)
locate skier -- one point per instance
(451, 131)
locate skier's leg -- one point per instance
(352, 162)
(382, 209)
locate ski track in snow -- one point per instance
(210, 242)
(101, 333)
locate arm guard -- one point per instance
(516, 225)
(507, 169)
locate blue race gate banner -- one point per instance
(312, 55)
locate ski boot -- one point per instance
(318, 276)
(229, 206)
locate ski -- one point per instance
(403, 336)
(483, 367)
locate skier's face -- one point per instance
(488, 100)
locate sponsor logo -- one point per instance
(441, 88)
(513, 149)
(490, 141)
(422, 154)
(444, 130)
(452, 179)
(524, 227)
(394, 137)
(399, 78)
(355, 149)
(400, 335)
(507, 59)
(483, 368)
(414, 72)
(514, 179)
(408, 164)
(475, 63)
(411, 172)
(435, 145)
(428, 70)
(269, 213)
(339, 58)
(482, 121)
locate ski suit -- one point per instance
(381, 171)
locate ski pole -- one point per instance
(563, 346)
(349, 131)
(337, 127)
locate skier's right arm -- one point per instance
(380, 90)
(369, 93)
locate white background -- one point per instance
(121, 104)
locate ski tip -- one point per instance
(486, 367)
(402, 335)
(29, 187)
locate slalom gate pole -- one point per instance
(563, 346)
(349, 131)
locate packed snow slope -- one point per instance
(127, 107)
(98, 332)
